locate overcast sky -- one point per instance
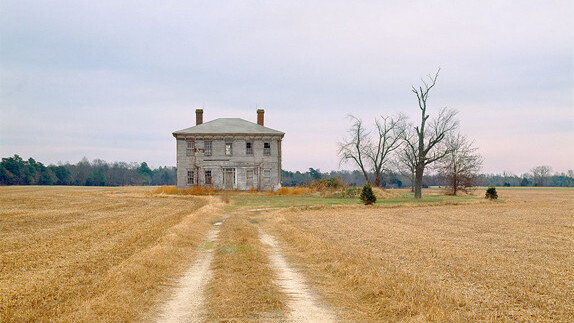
(113, 79)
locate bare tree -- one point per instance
(462, 163)
(390, 131)
(370, 154)
(353, 148)
(540, 175)
(438, 128)
(406, 159)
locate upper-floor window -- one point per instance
(207, 148)
(266, 149)
(189, 148)
(249, 148)
(228, 148)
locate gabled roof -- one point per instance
(228, 126)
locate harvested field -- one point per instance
(492, 261)
(93, 254)
(120, 254)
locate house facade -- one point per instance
(229, 154)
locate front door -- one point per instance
(228, 178)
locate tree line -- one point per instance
(17, 171)
(395, 179)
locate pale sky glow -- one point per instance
(113, 79)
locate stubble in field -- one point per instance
(86, 254)
(489, 261)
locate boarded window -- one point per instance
(190, 177)
(189, 148)
(267, 177)
(249, 180)
(266, 149)
(228, 148)
(208, 177)
(249, 148)
(207, 148)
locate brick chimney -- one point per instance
(198, 117)
(260, 116)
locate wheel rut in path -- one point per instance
(303, 305)
(187, 303)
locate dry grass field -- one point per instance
(114, 254)
(490, 261)
(93, 254)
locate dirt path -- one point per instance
(187, 302)
(303, 305)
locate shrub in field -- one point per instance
(367, 195)
(334, 182)
(349, 193)
(491, 193)
(325, 183)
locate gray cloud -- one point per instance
(112, 80)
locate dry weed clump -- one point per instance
(384, 194)
(323, 190)
(242, 287)
(196, 190)
(485, 262)
(93, 254)
(297, 190)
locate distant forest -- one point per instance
(17, 171)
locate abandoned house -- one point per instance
(229, 154)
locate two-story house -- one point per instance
(229, 154)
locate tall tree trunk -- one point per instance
(377, 180)
(454, 185)
(419, 181)
(366, 176)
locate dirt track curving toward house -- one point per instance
(303, 304)
(187, 303)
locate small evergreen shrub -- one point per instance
(367, 195)
(491, 193)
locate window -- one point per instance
(249, 148)
(190, 177)
(207, 177)
(189, 149)
(228, 148)
(249, 175)
(267, 177)
(207, 148)
(266, 149)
